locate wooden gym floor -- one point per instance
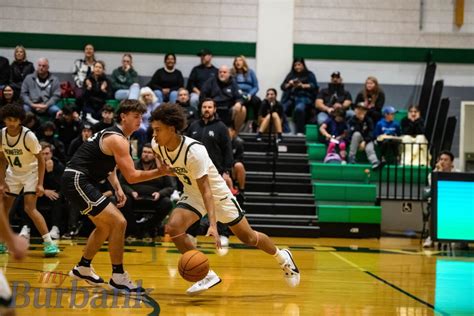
(388, 276)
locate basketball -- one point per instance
(193, 266)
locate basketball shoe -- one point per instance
(122, 282)
(87, 274)
(3, 248)
(5, 293)
(292, 274)
(211, 279)
(50, 249)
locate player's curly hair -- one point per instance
(170, 114)
(14, 110)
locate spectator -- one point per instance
(52, 200)
(300, 87)
(86, 132)
(9, 95)
(238, 168)
(97, 89)
(83, 68)
(107, 119)
(373, 97)
(361, 136)
(40, 90)
(415, 149)
(386, 132)
(4, 71)
(20, 68)
(248, 85)
(32, 122)
(68, 126)
(213, 134)
(57, 146)
(167, 80)
(148, 98)
(153, 194)
(270, 111)
(184, 102)
(225, 92)
(333, 97)
(334, 131)
(199, 75)
(123, 78)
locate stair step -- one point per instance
(266, 186)
(350, 214)
(279, 208)
(344, 192)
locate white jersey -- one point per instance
(20, 150)
(190, 161)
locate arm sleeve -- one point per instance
(154, 82)
(378, 129)
(380, 101)
(25, 93)
(56, 93)
(254, 79)
(191, 80)
(226, 147)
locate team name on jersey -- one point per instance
(13, 152)
(179, 170)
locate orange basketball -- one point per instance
(193, 266)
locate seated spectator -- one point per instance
(300, 87)
(415, 148)
(148, 98)
(123, 78)
(9, 95)
(333, 97)
(184, 102)
(238, 168)
(225, 92)
(270, 111)
(97, 89)
(32, 122)
(153, 194)
(107, 119)
(68, 126)
(4, 71)
(20, 68)
(373, 97)
(167, 80)
(361, 136)
(386, 132)
(57, 146)
(248, 85)
(334, 131)
(86, 132)
(83, 68)
(40, 90)
(199, 75)
(51, 202)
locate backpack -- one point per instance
(67, 90)
(333, 158)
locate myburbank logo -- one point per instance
(77, 297)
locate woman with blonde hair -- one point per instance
(20, 68)
(373, 97)
(248, 85)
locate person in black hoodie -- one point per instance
(213, 133)
(97, 89)
(68, 125)
(57, 146)
(167, 80)
(361, 135)
(415, 148)
(20, 68)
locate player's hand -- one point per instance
(164, 170)
(212, 231)
(39, 190)
(121, 198)
(18, 247)
(135, 195)
(155, 195)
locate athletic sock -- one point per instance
(47, 238)
(117, 268)
(85, 262)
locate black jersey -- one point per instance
(89, 158)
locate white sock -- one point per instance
(47, 238)
(279, 257)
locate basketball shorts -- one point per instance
(22, 181)
(82, 193)
(227, 210)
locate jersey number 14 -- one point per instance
(16, 161)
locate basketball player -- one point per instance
(21, 152)
(17, 247)
(205, 191)
(95, 161)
